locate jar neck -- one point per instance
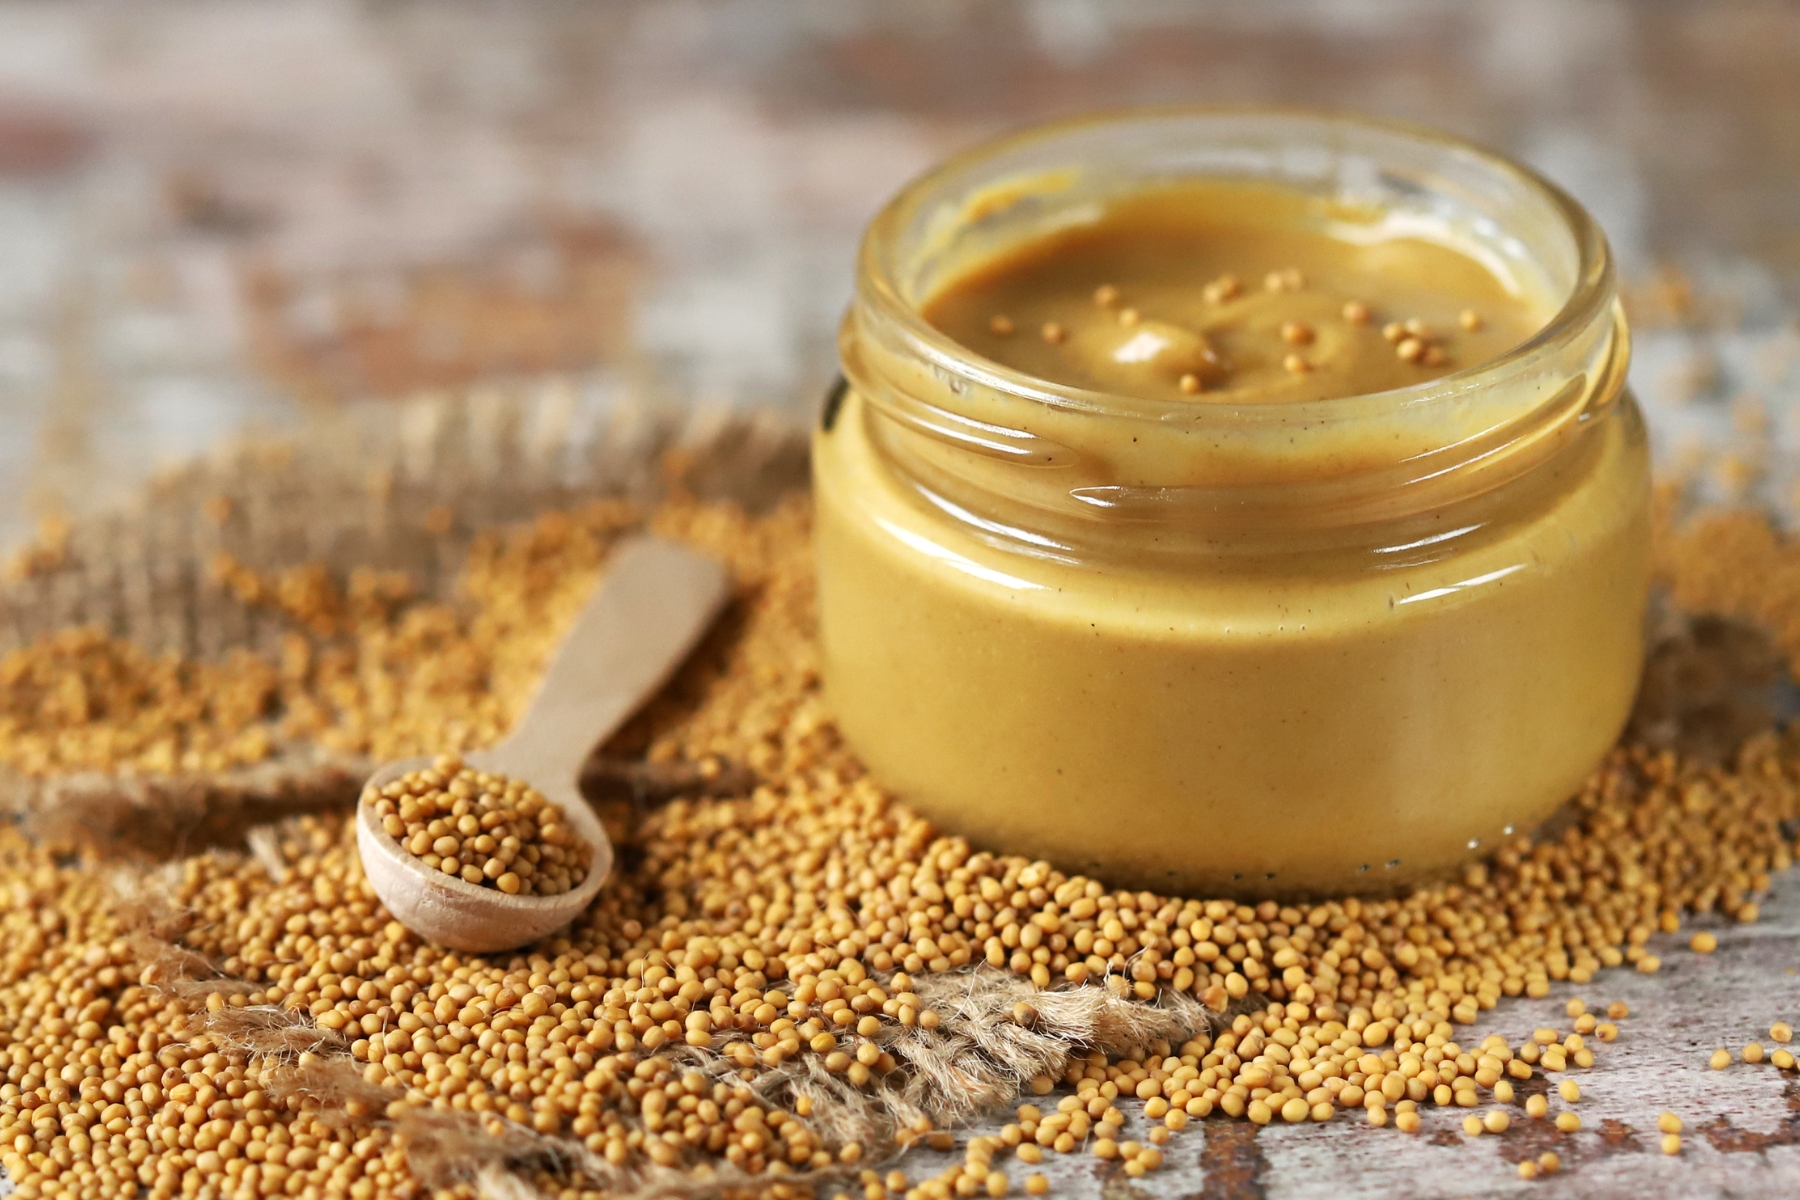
(1383, 476)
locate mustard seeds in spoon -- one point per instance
(485, 828)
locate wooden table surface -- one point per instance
(215, 217)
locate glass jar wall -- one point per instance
(1264, 648)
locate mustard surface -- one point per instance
(1266, 724)
(1274, 259)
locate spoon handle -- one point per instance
(652, 607)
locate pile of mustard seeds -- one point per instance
(1735, 563)
(368, 668)
(176, 1046)
(485, 829)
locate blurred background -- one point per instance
(223, 216)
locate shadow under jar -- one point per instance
(1198, 644)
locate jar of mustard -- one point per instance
(1233, 501)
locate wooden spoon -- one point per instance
(656, 601)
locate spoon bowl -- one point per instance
(465, 916)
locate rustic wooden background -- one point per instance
(215, 215)
(225, 216)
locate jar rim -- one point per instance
(1590, 295)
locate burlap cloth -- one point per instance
(406, 488)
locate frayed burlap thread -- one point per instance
(270, 1033)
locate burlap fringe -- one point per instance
(997, 1033)
(979, 1059)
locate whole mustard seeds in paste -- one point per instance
(1189, 291)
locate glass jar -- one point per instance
(1268, 649)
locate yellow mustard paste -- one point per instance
(1169, 655)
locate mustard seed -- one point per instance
(1225, 287)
